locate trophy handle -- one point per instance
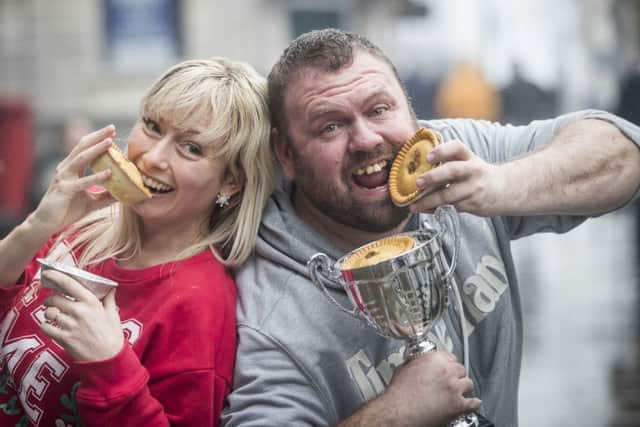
(321, 262)
(447, 215)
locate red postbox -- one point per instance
(17, 141)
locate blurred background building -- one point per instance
(71, 65)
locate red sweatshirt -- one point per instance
(174, 369)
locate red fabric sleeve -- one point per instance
(9, 291)
(115, 392)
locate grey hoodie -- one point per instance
(303, 362)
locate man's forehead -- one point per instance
(362, 62)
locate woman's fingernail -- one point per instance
(96, 189)
(430, 157)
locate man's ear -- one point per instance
(283, 151)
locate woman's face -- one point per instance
(182, 172)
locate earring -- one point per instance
(222, 200)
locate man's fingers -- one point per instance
(472, 404)
(452, 150)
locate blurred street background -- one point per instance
(70, 66)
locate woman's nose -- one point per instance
(157, 156)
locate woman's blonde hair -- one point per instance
(232, 97)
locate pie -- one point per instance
(409, 164)
(125, 183)
(378, 251)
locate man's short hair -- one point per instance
(328, 50)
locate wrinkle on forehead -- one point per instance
(318, 86)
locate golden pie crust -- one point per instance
(125, 183)
(409, 164)
(378, 251)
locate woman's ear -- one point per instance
(281, 147)
(231, 185)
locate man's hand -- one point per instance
(468, 182)
(424, 392)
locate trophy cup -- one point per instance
(399, 286)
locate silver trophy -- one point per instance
(398, 285)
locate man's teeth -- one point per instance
(376, 167)
(155, 185)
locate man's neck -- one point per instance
(344, 237)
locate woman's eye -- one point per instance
(192, 149)
(151, 125)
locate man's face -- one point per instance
(344, 129)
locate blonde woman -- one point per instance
(158, 350)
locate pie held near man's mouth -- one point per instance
(409, 164)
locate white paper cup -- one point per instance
(97, 284)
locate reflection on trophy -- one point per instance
(399, 285)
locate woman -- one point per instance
(158, 350)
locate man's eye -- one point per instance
(379, 110)
(330, 128)
(151, 125)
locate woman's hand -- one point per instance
(85, 327)
(67, 199)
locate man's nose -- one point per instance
(364, 136)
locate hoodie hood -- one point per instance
(286, 240)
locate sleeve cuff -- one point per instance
(111, 379)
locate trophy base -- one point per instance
(417, 348)
(471, 420)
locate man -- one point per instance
(339, 116)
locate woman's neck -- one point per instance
(159, 246)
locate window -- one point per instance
(142, 34)
(307, 20)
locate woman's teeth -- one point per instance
(376, 167)
(155, 186)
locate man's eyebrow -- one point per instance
(318, 114)
(382, 93)
(329, 110)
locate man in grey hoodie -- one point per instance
(340, 115)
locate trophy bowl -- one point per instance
(399, 284)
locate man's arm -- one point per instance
(590, 167)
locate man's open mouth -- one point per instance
(373, 175)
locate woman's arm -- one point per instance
(65, 202)
(19, 247)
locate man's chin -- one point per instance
(380, 222)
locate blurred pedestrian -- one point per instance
(466, 93)
(524, 101)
